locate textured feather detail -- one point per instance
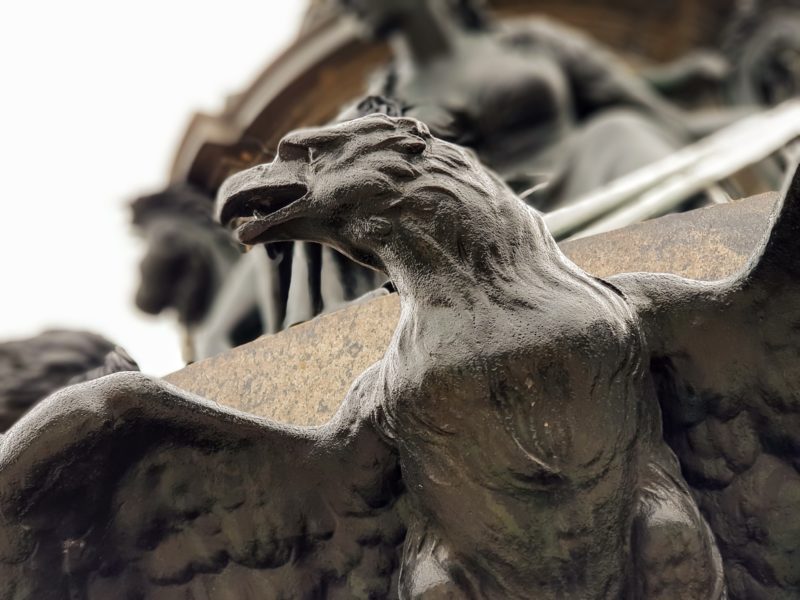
(129, 488)
(725, 358)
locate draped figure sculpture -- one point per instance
(537, 100)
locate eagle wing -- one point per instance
(127, 487)
(725, 360)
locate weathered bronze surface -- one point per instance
(292, 376)
(508, 445)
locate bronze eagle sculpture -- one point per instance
(510, 444)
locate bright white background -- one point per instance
(94, 97)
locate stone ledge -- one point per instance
(301, 375)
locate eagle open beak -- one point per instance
(257, 199)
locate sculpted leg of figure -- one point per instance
(612, 144)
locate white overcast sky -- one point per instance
(94, 97)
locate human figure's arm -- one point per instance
(598, 78)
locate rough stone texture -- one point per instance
(301, 375)
(708, 244)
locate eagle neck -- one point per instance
(482, 260)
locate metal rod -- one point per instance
(782, 128)
(736, 141)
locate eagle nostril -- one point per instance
(292, 151)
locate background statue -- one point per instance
(763, 48)
(188, 253)
(509, 443)
(34, 368)
(189, 256)
(755, 61)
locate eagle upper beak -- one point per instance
(264, 189)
